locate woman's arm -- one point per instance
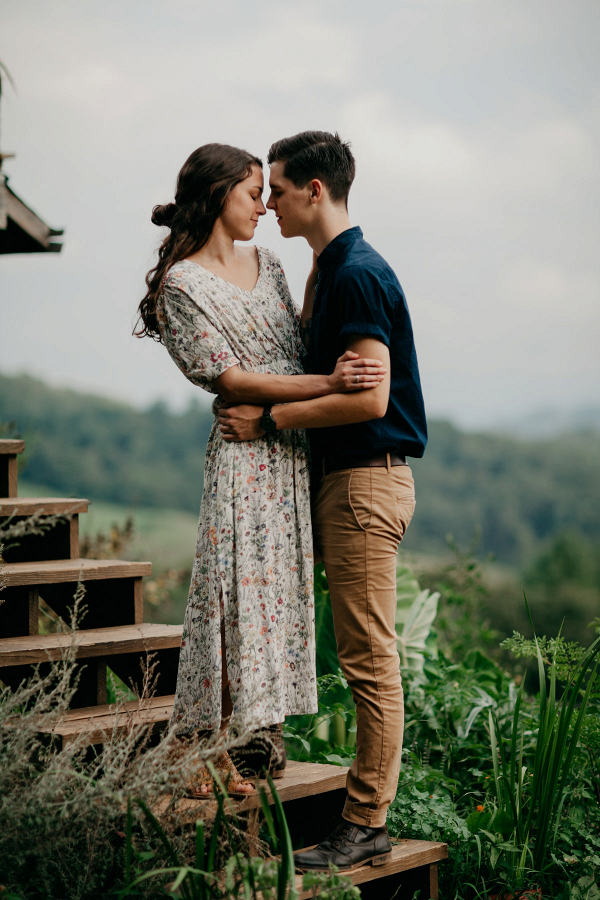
(350, 374)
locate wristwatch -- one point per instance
(267, 422)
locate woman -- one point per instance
(225, 314)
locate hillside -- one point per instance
(520, 493)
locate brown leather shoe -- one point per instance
(347, 847)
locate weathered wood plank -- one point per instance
(8, 475)
(58, 571)
(11, 446)
(49, 506)
(8, 466)
(95, 723)
(405, 855)
(74, 537)
(142, 638)
(300, 780)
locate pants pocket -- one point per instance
(360, 497)
(406, 510)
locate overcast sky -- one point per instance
(476, 128)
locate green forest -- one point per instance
(532, 506)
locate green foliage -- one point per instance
(241, 875)
(424, 807)
(83, 445)
(327, 658)
(534, 806)
(412, 639)
(521, 493)
(516, 491)
(307, 741)
(461, 625)
(563, 656)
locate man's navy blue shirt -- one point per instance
(359, 294)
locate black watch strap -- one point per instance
(267, 422)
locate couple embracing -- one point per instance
(329, 400)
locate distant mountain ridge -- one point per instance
(520, 493)
(548, 423)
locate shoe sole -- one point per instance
(374, 860)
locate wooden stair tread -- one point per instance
(11, 446)
(33, 649)
(301, 779)
(50, 506)
(56, 571)
(95, 722)
(404, 856)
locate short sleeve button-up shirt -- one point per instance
(359, 294)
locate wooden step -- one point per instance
(11, 446)
(418, 859)
(59, 571)
(94, 723)
(48, 506)
(313, 795)
(301, 780)
(146, 637)
(114, 594)
(123, 649)
(9, 449)
(61, 541)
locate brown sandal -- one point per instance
(228, 775)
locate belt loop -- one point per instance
(389, 463)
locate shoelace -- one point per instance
(337, 840)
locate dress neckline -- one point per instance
(231, 283)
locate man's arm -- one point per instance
(240, 423)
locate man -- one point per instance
(359, 441)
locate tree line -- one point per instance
(520, 494)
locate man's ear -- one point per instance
(316, 190)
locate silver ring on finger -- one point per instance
(357, 379)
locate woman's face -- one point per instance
(244, 207)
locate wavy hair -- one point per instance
(203, 187)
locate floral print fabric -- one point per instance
(253, 569)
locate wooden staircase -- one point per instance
(113, 636)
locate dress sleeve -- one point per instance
(285, 298)
(197, 345)
(278, 275)
(370, 305)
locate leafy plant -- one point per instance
(412, 639)
(250, 877)
(530, 798)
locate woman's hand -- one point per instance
(355, 374)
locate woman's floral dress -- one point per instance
(253, 569)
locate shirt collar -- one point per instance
(335, 248)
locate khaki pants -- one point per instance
(359, 518)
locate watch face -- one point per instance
(268, 424)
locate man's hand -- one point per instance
(240, 423)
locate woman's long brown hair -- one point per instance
(203, 186)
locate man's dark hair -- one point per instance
(317, 154)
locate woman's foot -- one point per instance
(202, 785)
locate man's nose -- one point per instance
(270, 203)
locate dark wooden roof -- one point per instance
(21, 230)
